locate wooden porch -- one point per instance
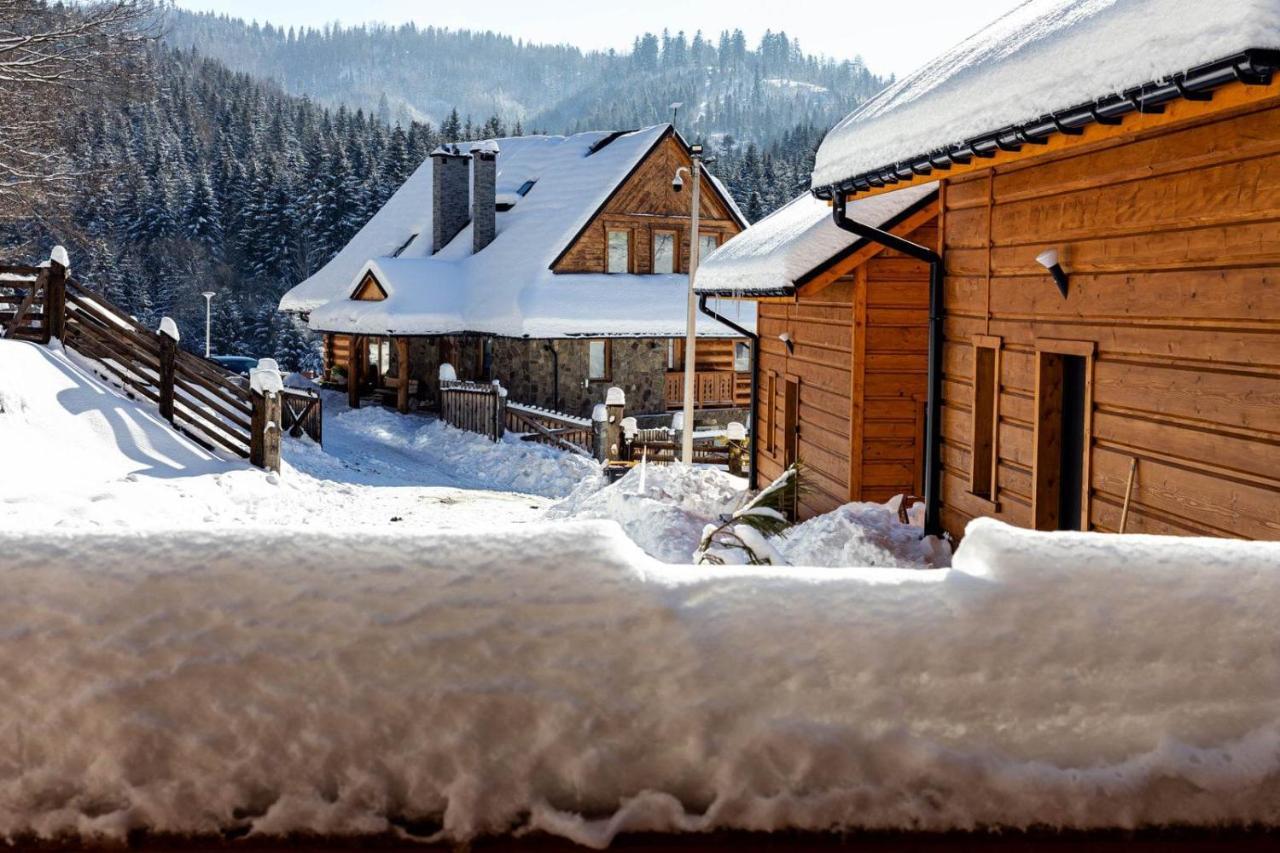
(713, 389)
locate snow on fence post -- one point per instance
(677, 430)
(167, 336)
(265, 387)
(55, 295)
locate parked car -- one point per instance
(240, 364)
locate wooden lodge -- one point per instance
(843, 326)
(1105, 353)
(555, 265)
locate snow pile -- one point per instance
(662, 508)
(471, 459)
(1045, 55)
(862, 534)
(555, 678)
(778, 252)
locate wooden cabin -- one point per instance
(1136, 387)
(555, 265)
(843, 327)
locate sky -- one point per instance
(878, 30)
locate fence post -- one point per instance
(353, 377)
(677, 431)
(265, 385)
(629, 429)
(55, 295)
(615, 403)
(499, 411)
(736, 435)
(402, 359)
(168, 340)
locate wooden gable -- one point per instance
(370, 290)
(644, 204)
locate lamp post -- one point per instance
(691, 322)
(208, 313)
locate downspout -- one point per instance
(755, 383)
(933, 425)
(550, 347)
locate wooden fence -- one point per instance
(661, 446)
(302, 413)
(29, 298)
(474, 406)
(556, 429)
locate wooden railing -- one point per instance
(661, 446)
(474, 406)
(712, 389)
(555, 429)
(24, 301)
(198, 397)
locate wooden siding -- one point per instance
(643, 205)
(1172, 244)
(861, 362)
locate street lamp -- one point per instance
(208, 312)
(691, 322)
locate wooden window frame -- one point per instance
(1041, 454)
(631, 248)
(984, 413)
(705, 235)
(608, 360)
(675, 250)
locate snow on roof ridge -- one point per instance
(1044, 56)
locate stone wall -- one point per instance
(526, 368)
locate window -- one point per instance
(675, 347)
(1060, 467)
(664, 252)
(986, 419)
(380, 356)
(525, 187)
(599, 358)
(619, 259)
(741, 357)
(707, 243)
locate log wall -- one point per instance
(858, 375)
(1172, 242)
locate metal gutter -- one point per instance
(754, 337)
(1251, 67)
(933, 425)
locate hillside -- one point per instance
(405, 73)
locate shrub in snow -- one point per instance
(744, 535)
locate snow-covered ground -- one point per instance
(188, 645)
(85, 457)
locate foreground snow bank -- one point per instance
(556, 678)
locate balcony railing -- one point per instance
(712, 389)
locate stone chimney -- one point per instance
(484, 192)
(449, 179)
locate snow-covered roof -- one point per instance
(1044, 56)
(778, 252)
(508, 288)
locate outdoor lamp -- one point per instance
(786, 339)
(1049, 260)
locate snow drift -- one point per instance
(556, 678)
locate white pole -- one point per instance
(691, 326)
(208, 311)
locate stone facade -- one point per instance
(450, 196)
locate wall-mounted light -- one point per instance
(786, 339)
(1049, 260)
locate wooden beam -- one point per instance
(353, 372)
(402, 392)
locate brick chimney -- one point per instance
(484, 192)
(449, 180)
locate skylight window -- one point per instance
(525, 187)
